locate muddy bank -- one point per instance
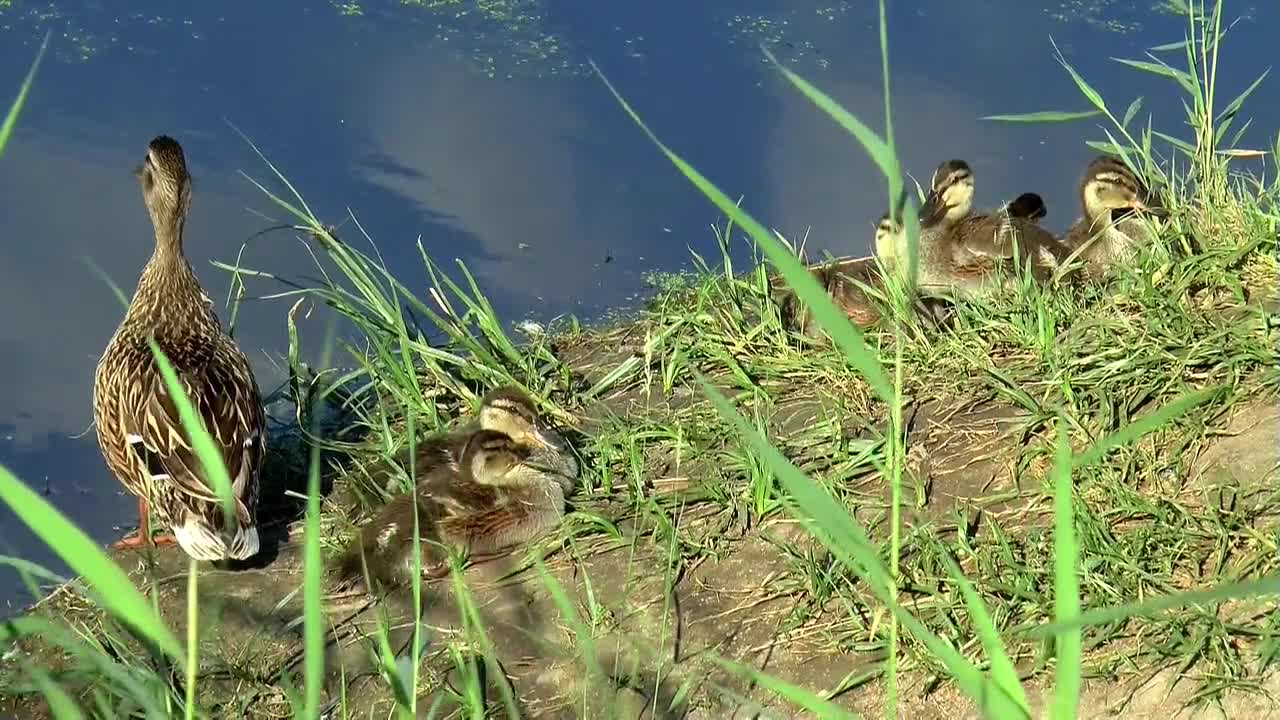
(658, 609)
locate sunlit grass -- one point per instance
(11, 117)
(1109, 564)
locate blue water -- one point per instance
(492, 141)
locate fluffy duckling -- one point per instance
(840, 279)
(497, 496)
(508, 410)
(962, 251)
(1109, 195)
(1028, 206)
(844, 281)
(139, 429)
(890, 240)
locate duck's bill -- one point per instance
(1151, 206)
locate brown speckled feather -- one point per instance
(138, 425)
(512, 494)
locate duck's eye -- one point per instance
(147, 179)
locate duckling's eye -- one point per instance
(148, 180)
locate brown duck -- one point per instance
(962, 251)
(1111, 230)
(489, 487)
(501, 494)
(139, 430)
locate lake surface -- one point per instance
(482, 131)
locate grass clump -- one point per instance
(1062, 491)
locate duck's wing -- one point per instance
(986, 242)
(517, 514)
(221, 389)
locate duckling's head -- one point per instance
(888, 240)
(1110, 186)
(490, 455)
(513, 413)
(1028, 206)
(166, 185)
(951, 196)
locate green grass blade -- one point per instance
(1092, 95)
(581, 633)
(1244, 590)
(1234, 106)
(881, 152)
(1182, 145)
(1045, 116)
(1003, 673)
(60, 703)
(1235, 139)
(842, 536)
(836, 323)
(314, 623)
(116, 593)
(193, 635)
(215, 470)
(1066, 586)
(878, 149)
(11, 118)
(1169, 47)
(791, 693)
(1182, 77)
(1131, 111)
(1126, 435)
(1106, 148)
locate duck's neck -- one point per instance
(168, 286)
(168, 228)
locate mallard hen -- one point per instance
(138, 426)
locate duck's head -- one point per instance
(166, 185)
(1028, 206)
(951, 196)
(888, 238)
(490, 455)
(513, 413)
(1110, 186)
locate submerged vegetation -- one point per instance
(1034, 512)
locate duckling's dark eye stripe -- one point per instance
(515, 408)
(1123, 180)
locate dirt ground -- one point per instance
(655, 646)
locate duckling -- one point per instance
(1028, 206)
(844, 280)
(840, 279)
(497, 496)
(890, 241)
(506, 409)
(1109, 195)
(138, 427)
(960, 250)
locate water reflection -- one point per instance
(482, 136)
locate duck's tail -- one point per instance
(203, 542)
